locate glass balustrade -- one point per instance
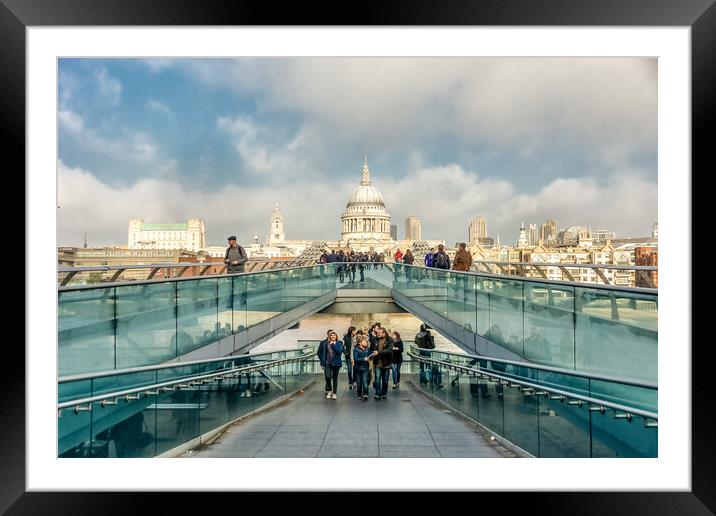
(598, 329)
(156, 421)
(545, 425)
(130, 325)
(606, 332)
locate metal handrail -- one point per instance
(168, 280)
(505, 277)
(574, 265)
(538, 389)
(172, 365)
(550, 369)
(470, 273)
(173, 265)
(179, 384)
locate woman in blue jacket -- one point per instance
(329, 354)
(361, 361)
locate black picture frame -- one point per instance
(700, 15)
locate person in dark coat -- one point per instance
(347, 343)
(382, 350)
(235, 257)
(329, 354)
(397, 358)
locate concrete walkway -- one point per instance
(407, 424)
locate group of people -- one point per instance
(369, 355)
(349, 262)
(433, 259)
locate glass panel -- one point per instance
(86, 330)
(120, 382)
(549, 324)
(74, 434)
(483, 288)
(521, 426)
(146, 324)
(629, 395)
(616, 333)
(177, 417)
(563, 429)
(225, 307)
(620, 438)
(258, 309)
(275, 293)
(240, 302)
(73, 428)
(197, 314)
(506, 315)
(124, 430)
(461, 300)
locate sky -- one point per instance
(447, 139)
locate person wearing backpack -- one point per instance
(235, 257)
(425, 341)
(440, 259)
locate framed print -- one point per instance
(141, 113)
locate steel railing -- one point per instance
(537, 270)
(529, 388)
(112, 398)
(175, 270)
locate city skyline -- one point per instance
(581, 141)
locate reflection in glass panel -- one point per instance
(177, 417)
(196, 314)
(461, 299)
(563, 429)
(124, 430)
(620, 438)
(483, 288)
(239, 296)
(521, 425)
(549, 324)
(257, 306)
(74, 434)
(146, 324)
(617, 333)
(225, 319)
(506, 315)
(86, 330)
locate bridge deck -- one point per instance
(407, 424)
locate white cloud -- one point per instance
(264, 155)
(443, 198)
(109, 88)
(234, 209)
(604, 108)
(130, 146)
(159, 107)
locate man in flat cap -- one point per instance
(235, 257)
